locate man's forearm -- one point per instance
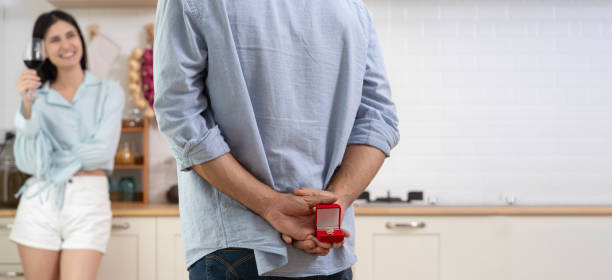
(287, 213)
(229, 177)
(359, 166)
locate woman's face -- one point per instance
(63, 45)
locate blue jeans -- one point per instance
(239, 263)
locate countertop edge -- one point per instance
(168, 210)
(484, 210)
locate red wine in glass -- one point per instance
(33, 56)
(33, 64)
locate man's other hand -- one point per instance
(293, 215)
(311, 244)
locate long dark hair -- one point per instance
(47, 71)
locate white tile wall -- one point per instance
(494, 97)
(499, 97)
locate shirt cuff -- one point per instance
(27, 127)
(198, 151)
(375, 133)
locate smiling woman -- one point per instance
(63, 54)
(60, 33)
(66, 139)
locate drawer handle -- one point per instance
(408, 225)
(121, 226)
(6, 226)
(11, 274)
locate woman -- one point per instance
(66, 138)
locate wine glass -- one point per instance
(33, 57)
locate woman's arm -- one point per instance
(32, 146)
(101, 147)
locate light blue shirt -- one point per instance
(62, 138)
(284, 86)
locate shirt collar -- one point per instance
(53, 97)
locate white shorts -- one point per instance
(84, 221)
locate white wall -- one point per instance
(3, 113)
(124, 26)
(494, 97)
(499, 97)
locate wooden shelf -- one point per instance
(139, 171)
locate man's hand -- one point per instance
(306, 192)
(293, 215)
(311, 244)
(359, 165)
(289, 214)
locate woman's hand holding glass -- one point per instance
(28, 81)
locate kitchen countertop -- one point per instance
(126, 211)
(153, 210)
(367, 210)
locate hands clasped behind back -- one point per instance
(293, 216)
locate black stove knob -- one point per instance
(365, 195)
(414, 195)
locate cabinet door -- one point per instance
(130, 254)
(400, 247)
(11, 272)
(170, 255)
(559, 248)
(8, 248)
(10, 267)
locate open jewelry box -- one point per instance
(327, 223)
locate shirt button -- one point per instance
(70, 181)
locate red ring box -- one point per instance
(327, 223)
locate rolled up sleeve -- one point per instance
(29, 127)
(32, 149)
(376, 123)
(181, 102)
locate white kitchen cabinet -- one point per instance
(391, 247)
(10, 267)
(170, 255)
(484, 247)
(131, 251)
(560, 248)
(11, 272)
(384, 253)
(425, 248)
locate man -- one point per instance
(270, 107)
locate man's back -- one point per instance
(282, 85)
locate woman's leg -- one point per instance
(79, 264)
(86, 226)
(39, 263)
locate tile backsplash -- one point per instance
(499, 96)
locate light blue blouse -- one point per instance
(62, 138)
(284, 86)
